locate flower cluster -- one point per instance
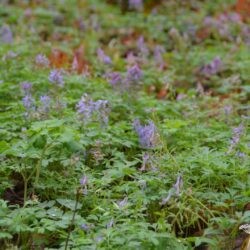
(222, 24)
(28, 102)
(6, 35)
(56, 77)
(103, 57)
(134, 74)
(136, 4)
(131, 79)
(212, 68)
(158, 51)
(114, 78)
(45, 101)
(142, 47)
(84, 183)
(147, 134)
(26, 87)
(175, 190)
(86, 108)
(237, 132)
(42, 61)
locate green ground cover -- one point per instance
(123, 127)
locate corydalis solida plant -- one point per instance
(147, 134)
(237, 133)
(212, 68)
(103, 57)
(87, 108)
(56, 76)
(42, 61)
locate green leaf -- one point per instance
(4, 146)
(69, 203)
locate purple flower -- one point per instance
(178, 185)
(111, 223)
(227, 110)
(147, 134)
(102, 108)
(85, 227)
(56, 76)
(123, 203)
(86, 107)
(42, 60)
(45, 100)
(28, 102)
(166, 200)
(98, 239)
(6, 35)
(136, 4)
(134, 74)
(237, 132)
(145, 159)
(84, 181)
(103, 57)
(174, 191)
(114, 78)
(240, 154)
(26, 87)
(142, 47)
(212, 68)
(158, 51)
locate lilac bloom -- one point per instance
(102, 108)
(26, 87)
(136, 4)
(103, 57)
(142, 46)
(145, 159)
(123, 203)
(6, 35)
(134, 74)
(227, 110)
(98, 239)
(28, 102)
(56, 77)
(84, 183)
(86, 107)
(114, 78)
(111, 223)
(42, 60)
(237, 133)
(158, 51)
(131, 58)
(84, 180)
(147, 134)
(240, 154)
(174, 191)
(166, 200)
(45, 100)
(178, 185)
(212, 68)
(85, 227)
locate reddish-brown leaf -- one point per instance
(243, 8)
(58, 58)
(79, 63)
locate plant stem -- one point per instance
(25, 191)
(73, 218)
(38, 167)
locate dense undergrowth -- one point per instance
(123, 129)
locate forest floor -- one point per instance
(124, 127)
